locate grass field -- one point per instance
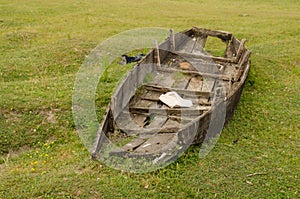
(42, 46)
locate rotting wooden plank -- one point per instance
(122, 119)
(156, 121)
(218, 76)
(155, 143)
(156, 54)
(145, 103)
(194, 100)
(171, 111)
(212, 88)
(180, 91)
(139, 119)
(206, 57)
(235, 43)
(149, 94)
(242, 64)
(172, 40)
(213, 33)
(181, 41)
(203, 102)
(197, 108)
(195, 84)
(187, 46)
(190, 34)
(241, 50)
(181, 83)
(205, 88)
(174, 60)
(171, 124)
(204, 67)
(195, 43)
(199, 98)
(133, 144)
(163, 80)
(202, 41)
(181, 118)
(146, 133)
(128, 121)
(105, 128)
(130, 146)
(244, 59)
(155, 99)
(226, 49)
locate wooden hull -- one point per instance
(180, 64)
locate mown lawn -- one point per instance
(44, 43)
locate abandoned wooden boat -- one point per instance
(144, 125)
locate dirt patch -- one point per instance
(14, 116)
(10, 116)
(297, 63)
(5, 158)
(49, 116)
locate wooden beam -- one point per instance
(170, 111)
(213, 33)
(206, 57)
(156, 99)
(216, 76)
(172, 40)
(240, 50)
(156, 54)
(242, 65)
(153, 87)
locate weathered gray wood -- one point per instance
(203, 67)
(241, 50)
(189, 45)
(213, 33)
(207, 57)
(148, 95)
(163, 80)
(130, 121)
(181, 83)
(156, 54)
(129, 147)
(172, 40)
(195, 84)
(156, 121)
(145, 103)
(167, 111)
(171, 124)
(155, 143)
(105, 127)
(217, 76)
(183, 42)
(244, 59)
(181, 118)
(146, 133)
(179, 91)
(195, 43)
(242, 65)
(196, 101)
(202, 40)
(235, 43)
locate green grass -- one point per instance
(42, 46)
